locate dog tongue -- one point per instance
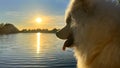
(68, 43)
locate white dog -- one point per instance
(93, 30)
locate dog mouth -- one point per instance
(68, 42)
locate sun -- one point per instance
(38, 20)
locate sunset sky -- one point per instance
(23, 13)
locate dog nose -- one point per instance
(64, 32)
(60, 34)
(57, 34)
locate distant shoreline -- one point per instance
(11, 29)
(36, 32)
(39, 30)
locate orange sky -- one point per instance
(22, 13)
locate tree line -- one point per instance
(10, 28)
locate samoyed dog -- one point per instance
(93, 31)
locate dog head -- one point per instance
(73, 14)
(79, 15)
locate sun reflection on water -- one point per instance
(38, 43)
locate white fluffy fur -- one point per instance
(96, 33)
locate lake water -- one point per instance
(34, 50)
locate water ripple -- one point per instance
(19, 51)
